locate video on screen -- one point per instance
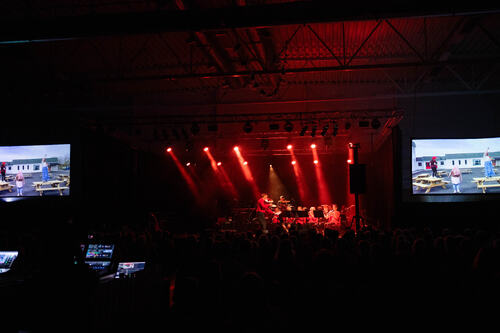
(456, 166)
(32, 171)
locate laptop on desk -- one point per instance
(129, 268)
(7, 258)
(99, 251)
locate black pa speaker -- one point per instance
(357, 178)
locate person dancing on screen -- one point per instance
(20, 183)
(3, 169)
(434, 165)
(45, 170)
(456, 179)
(488, 165)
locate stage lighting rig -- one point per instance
(325, 129)
(247, 128)
(376, 123)
(288, 126)
(313, 130)
(303, 131)
(195, 128)
(274, 126)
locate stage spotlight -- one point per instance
(349, 161)
(289, 147)
(236, 148)
(313, 146)
(313, 131)
(212, 127)
(264, 143)
(375, 123)
(188, 164)
(325, 129)
(274, 126)
(294, 162)
(195, 128)
(219, 163)
(270, 166)
(335, 129)
(315, 161)
(245, 163)
(176, 134)
(247, 128)
(169, 149)
(205, 149)
(164, 133)
(303, 131)
(288, 126)
(363, 123)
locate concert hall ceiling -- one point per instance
(154, 65)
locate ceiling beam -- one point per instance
(33, 29)
(382, 66)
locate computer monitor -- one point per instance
(99, 251)
(128, 269)
(7, 259)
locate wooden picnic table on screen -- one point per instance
(486, 182)
(51, 185)
(429, 182)
(442, 173)
(423, 175)
(4, 186)
(64, 178)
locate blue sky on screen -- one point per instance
(7, 154)
(439, 147)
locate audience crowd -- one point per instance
(247, 281)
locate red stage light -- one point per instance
(349, 161)
(289, 147)
(236, 148)
(205, 149)
(219, 163)
(315, 161)
(294, 162)
(188, 163)
(313, 146)
(169, 149)
(245, 163)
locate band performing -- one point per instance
(284, 214)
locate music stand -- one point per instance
(302, 213)
(318, 213)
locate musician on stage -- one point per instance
(263, 209)
(334, 216)
(282, 203)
